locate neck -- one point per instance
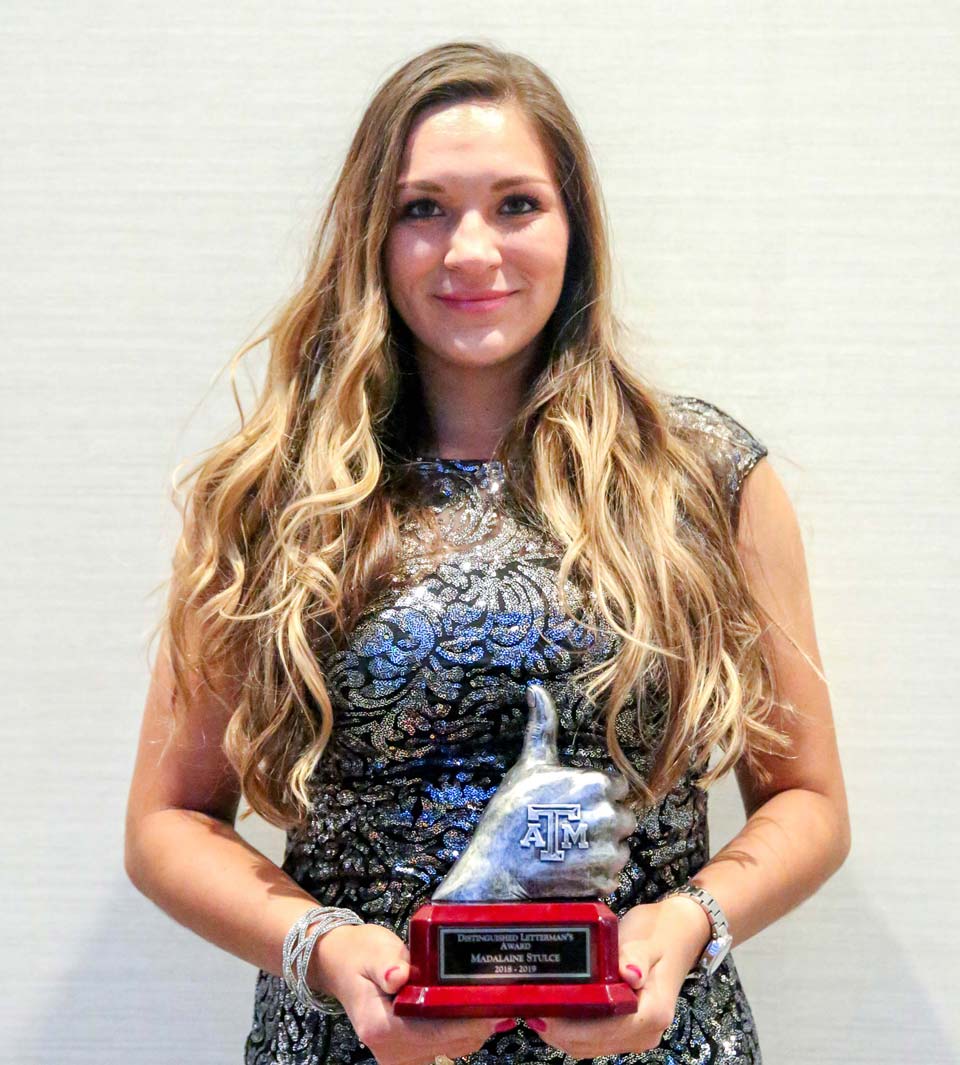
(470, 408)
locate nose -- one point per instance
(473, 243)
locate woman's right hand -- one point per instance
(364, 966)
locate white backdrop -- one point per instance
(782, 181)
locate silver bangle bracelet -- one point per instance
(298, 946)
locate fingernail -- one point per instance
(392, 968)
(505, 1026)
(636, 970)
(537, 1024)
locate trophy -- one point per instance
(515, 929)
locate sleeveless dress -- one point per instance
(430, 709)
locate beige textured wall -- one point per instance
(782, 181)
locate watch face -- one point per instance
(717, 950)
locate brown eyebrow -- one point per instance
(503, 183)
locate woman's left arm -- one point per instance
(797, 832)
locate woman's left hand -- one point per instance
(659, 944)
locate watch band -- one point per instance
(720, 939)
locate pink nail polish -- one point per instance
(505, 1026)
(392, 968)
(636, 970)
(537, 1024)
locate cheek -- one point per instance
(407, 258)
(545, 255)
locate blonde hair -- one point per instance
(293, 522)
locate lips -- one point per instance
(476, 302)
(466, 297)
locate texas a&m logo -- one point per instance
(554, 828)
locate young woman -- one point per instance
(453, 483)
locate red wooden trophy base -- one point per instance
(514, 959)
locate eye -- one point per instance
(413, 208)
(532, 200)
(409, 210)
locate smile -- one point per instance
(475, 306)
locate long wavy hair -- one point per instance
(292, 523)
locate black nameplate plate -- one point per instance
(514, 953)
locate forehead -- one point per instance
(452, 141)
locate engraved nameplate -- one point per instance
(515, 953)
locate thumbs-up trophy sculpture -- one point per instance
(484, 946)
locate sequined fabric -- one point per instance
(430, 711)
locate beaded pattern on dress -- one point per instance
(430, 703)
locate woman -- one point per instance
(453, 484)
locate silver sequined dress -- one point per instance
(430, 703)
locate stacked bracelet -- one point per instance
(297, 948)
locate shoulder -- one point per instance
(727, 444)
(719, 431)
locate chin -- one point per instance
(494, 340)
(482, 356)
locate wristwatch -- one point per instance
(720, 939)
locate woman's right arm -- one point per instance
(182, 852)
(181, 849)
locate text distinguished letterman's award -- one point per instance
(486, 945)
